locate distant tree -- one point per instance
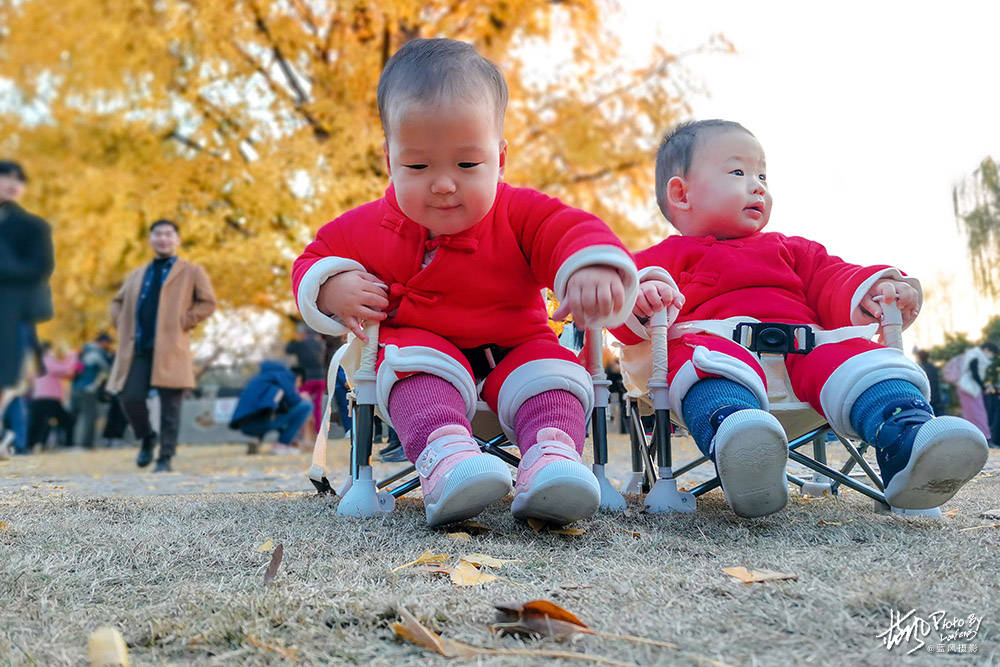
(977, 207)
(252, 123)
(954, 344)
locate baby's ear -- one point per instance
(503, 159)
(385, 151)
(677, 190)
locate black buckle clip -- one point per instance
(775, 337)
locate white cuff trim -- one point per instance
(853, 377)
(536, 377)
(321, 271)
(602, 255)
(418, 359)
(863, 288)
(716, 363)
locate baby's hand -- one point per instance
(353, 297)
(592, 294)
(654, 296)
(904, 294)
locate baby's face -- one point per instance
(445, 161)
(726, 187)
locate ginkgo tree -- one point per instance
(251, 123)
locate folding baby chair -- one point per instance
(801, 423)
(361, 495)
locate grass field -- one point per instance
(176, 568)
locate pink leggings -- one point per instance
(422, 403)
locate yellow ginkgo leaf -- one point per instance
(428, 557)
(267, 546)
(465, 537)
(488, 561)
(757, 576)
(568, 531)
(467, 574)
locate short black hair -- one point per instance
(677, 149)
(11, 168)
(429, 70)
(103, 337)
(164, 221)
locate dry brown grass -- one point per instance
(180, 576)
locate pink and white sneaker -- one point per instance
(458, 480)
(552, 482)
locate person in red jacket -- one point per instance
(711, 185)
(452, 262)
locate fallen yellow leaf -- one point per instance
(267, 546)
(4, 525)
(465, 537)
(426, 557)
(536, 524)
(106, 648)
(830, 523)
(488, 561)
(467, 574)
(951, 514)
(568, 531)
(757, 576)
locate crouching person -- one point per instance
(270, 402)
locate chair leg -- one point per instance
(820, 485)
(611, 499)
(664, 496)
(637, 481)
(361, 499)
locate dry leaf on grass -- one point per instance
(951, 514)
(4, 526)
(537, 617)
(547, 619)
(467, 574)
(988, 525)
(538, 525)
(465, 537)
(474, 528)
(833, 523)
(412, 630)
(272, 568)
(106, 648)
(757, 576)
(428, 557)
(291, 653)
(488, 561)
(267, 546)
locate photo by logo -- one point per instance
(938, 632)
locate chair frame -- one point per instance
(826, 480)
(361, 495)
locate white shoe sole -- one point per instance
(472, 485)
(561, 492)
(751, 452)
(947, 453)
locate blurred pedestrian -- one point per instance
(270, 402)
(95, 362)
(26, 262)
(47, 396)
(308, 350)
(154, 312)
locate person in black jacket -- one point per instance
(270, 402)
(26, 262)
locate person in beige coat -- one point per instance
(154, 312)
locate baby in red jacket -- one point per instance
(711, 184)
(453, 262)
